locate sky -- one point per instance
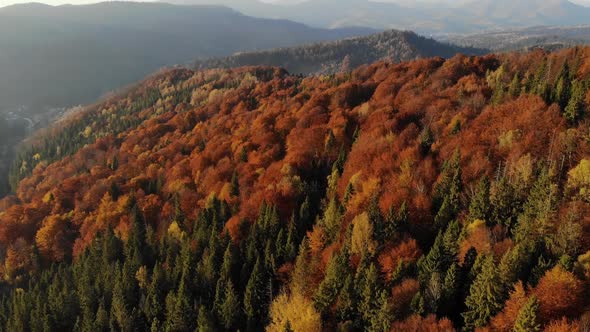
(60, 2)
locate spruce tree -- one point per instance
(527, 320)
(480, 203)
(486, 296)
(230, 307)
(574, 110)
(255, 295)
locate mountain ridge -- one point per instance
(346, 54)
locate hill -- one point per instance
(461, 17)
(426, 195)
(332, 57)
(67, 55)
(548, 37)
(52, 58)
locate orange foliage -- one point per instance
(420, 324)
(560, 294)
(403, 295)
(406, 252)
(54, 238)
(505, 320)
(563, 325)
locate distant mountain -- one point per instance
(458, 16)
(545, 37)
(331, 57)
(65, 55)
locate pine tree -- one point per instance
(235, 185)
(230, 307)
(204, 323)
(369, 293)
(574, 110)
(480, 203)
(181, 314)
(381, 320)
(153, 307)
(329, 287)
(346, 304)
(527, 317)
(255, 300)
(515, 86)
(485, 297)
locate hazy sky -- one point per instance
(59, 2)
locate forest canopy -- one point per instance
(428, 195)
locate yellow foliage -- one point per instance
(295, 309)
(366, 190)
(175, 232)
(579, 179)
(87, 132)
(362, 235)
(142, 277)
(523, 168)
(48, 197)
(506, 139)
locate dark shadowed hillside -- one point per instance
(59, 56)
(347, 54)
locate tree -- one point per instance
(329, 287)
(505, 320)
(480, 203)
(180, 316)
(574, 110)
(579, 179)
(235, 185)
(381, 320)
(295, 311)
(515, 86)
(559, 293)
(230, 307)
(527, 317)
(362, 235)
(485, 296)
(254, 295)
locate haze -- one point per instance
(79, 2)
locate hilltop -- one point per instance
(343, 55)
(471, 16)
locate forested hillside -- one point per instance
(424, 196)
(547, 37)
(343, 55)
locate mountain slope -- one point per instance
(248, 198)
(347, 54)
(515, 39)
(465, 17)
(48, 53)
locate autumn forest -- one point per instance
(432, 195)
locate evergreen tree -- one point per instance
(486, 295)
(329, 287)
(381, 320)
(526, 320)
(369, 294)
(515, 86)
(235, 185)
(230, 307)
(574, 110)
(255, 299)
(480, 203)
